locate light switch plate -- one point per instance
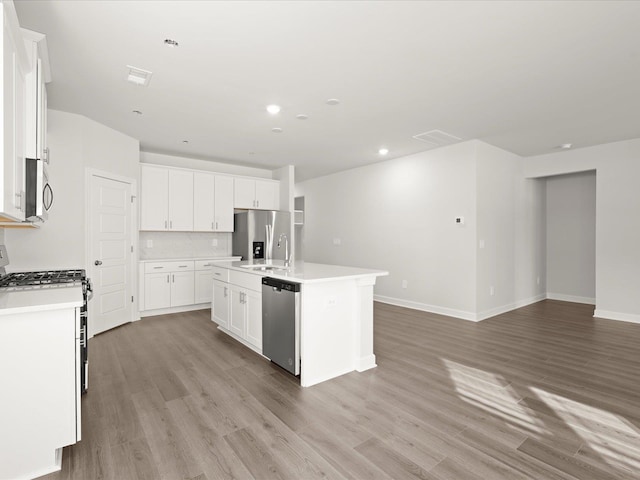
(149, 243)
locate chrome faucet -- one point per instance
(287, 260)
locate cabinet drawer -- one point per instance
(221, 274)
(252, 281)
(205, 264)
(155, 267)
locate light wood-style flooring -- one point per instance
(543, 392)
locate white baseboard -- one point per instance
(470, 316)
(450, 312)
(165, 311)
(507, 308)
(365, 363)
(622, 317)
(571, 298)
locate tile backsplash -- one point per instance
(183, 245)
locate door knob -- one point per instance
(98, 262)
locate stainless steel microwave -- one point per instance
(38, 191)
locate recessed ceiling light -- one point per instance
(273, 109)
(565, 146)
(137, 112)
(302, 116)
(333, 101)
(252, 153)
(138, 76)
(383, 151)
(276, 130)
(170, 43)
(185, 141)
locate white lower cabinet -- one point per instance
(157, 290)
(221, 303)
(237, 306)
(168, 284)
(182, 289)
(238, 311)
(180, 285)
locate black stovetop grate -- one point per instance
(46, 277)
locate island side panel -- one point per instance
(364, 356)
(39, 391)
(328, 330)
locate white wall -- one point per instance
(617, 168)
(399, 216)
(510, 233)
(75, 142)
(196, 164)
(571, 237)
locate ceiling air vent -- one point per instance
(138, 76)
(437, 138)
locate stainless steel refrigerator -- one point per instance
(256, 234)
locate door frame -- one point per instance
(133, 183)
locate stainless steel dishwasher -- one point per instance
(281, 323)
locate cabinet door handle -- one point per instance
(257, 203)
(165, 224)
(216, 225)
(225, 292)
(217, 273)
(173, 278)
(212, 227)
(155, 268)
(167, 278)
(183, 266)
(170, 223)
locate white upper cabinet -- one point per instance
(257, 194)
(166, 199)
(224, 204)
(14, 69)
(204, 187)
(36, 99)
(212, 202)
(180, 200)
(154, 198)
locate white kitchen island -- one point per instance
(336, 313)
(40, 373)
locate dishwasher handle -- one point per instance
(278, 284)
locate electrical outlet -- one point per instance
(330, 302)
(405, 284)
(214, 242)
(149, 243)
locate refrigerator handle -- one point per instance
(269, 242)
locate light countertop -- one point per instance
(22, 300)
(186, 259)
(304, 272)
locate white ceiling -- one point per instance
(524, 76)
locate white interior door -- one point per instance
(110, 253)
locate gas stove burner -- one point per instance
(47, 277)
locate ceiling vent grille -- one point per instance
(138, 76)
(437, 138)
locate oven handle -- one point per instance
(89, 289)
